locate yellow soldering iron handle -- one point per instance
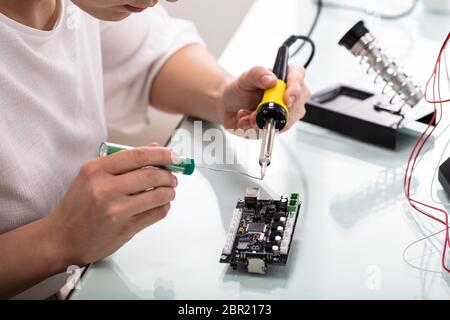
(275, 95)
(272, 106)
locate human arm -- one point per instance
(104, 207)
(192, 82)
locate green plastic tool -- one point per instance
(185, 166)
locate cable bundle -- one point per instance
(426, 209)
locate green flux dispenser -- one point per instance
(185, 166)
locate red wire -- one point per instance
(418, 146)
(434, 73)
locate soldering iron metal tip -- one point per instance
(263, 170)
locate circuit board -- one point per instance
(261, 232)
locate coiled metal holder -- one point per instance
(362, 43)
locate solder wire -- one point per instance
(230, 171)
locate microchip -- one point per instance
(261, 232)
(256, 227)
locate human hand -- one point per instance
(111, 200)
(241, 97)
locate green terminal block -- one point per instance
(293, 202)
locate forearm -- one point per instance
(28, 255)
(190, 82)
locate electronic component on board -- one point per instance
(261, 232)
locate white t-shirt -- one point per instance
(59, 88)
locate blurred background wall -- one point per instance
(216, 20)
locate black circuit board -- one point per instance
(261, 232)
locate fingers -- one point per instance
(153, 144)
(243, 113)
(148, 200)
(128, 160)
(256, 78)
(243, 121)
(295, 81)
(246, 119)
(143, 179)
(145, 219)
(296, 95)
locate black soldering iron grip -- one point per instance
(280, 69)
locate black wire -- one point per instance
(292, 39)
(322, 4)
(383, 16)
(311, 29)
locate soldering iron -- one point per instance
(272, 113)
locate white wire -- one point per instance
(231, 171)
(414, 243)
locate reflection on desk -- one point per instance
(353, 225)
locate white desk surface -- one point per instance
(354, 224)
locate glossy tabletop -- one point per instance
(354, 223)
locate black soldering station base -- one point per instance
(358, 114)
(444, 176)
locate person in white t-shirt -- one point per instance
(63, 76)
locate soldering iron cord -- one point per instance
(292, 39)
(334, 5)
(324, 4)
(311, 29)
